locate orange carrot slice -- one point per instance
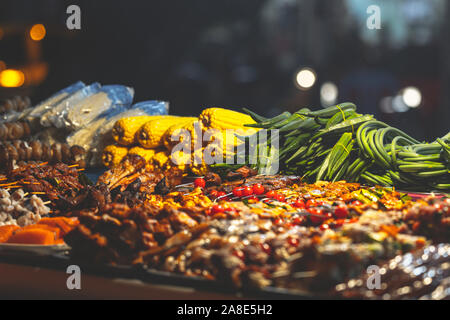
(6, 232)
(62, 223)
(33, 236)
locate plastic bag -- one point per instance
(55, 116)
(97, 135)
(48, 104)
(109, 98)
(152, 107)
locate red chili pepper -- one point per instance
(280, 197)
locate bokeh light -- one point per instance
(11, 78)
(305, 78)
(328, 93)
(412, 97)
(37, 32)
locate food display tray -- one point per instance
(60, 261)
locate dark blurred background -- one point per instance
(269, 55)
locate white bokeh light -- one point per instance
(328, 93)
(305, 78)
(412, 97)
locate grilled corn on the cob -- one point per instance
(220, 118)
(113, 154)
(124, 130)
(176, 129)
(161, 158)
(150, 135)
(147, 154)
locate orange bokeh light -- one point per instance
(11, 78)
(37, 32)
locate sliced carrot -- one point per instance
(56, 231)
(6, 232)
(64, 224)
(33, 236)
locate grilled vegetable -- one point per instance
(113, 154)
(150, 135)
(161, 158)
(220, 118)
(176, 129)
(147, 154)
(124, 130)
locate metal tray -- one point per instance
(60, 261)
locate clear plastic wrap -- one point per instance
(44, 106)
(152, 107)
(109, 99)
(55, 116)
(98, 134)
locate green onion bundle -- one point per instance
(337, 143)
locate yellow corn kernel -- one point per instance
(124, 130)
(176, 130)
(150, 135)
(161, 158)
(113, 154)
(147, 154)
(220, 118)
